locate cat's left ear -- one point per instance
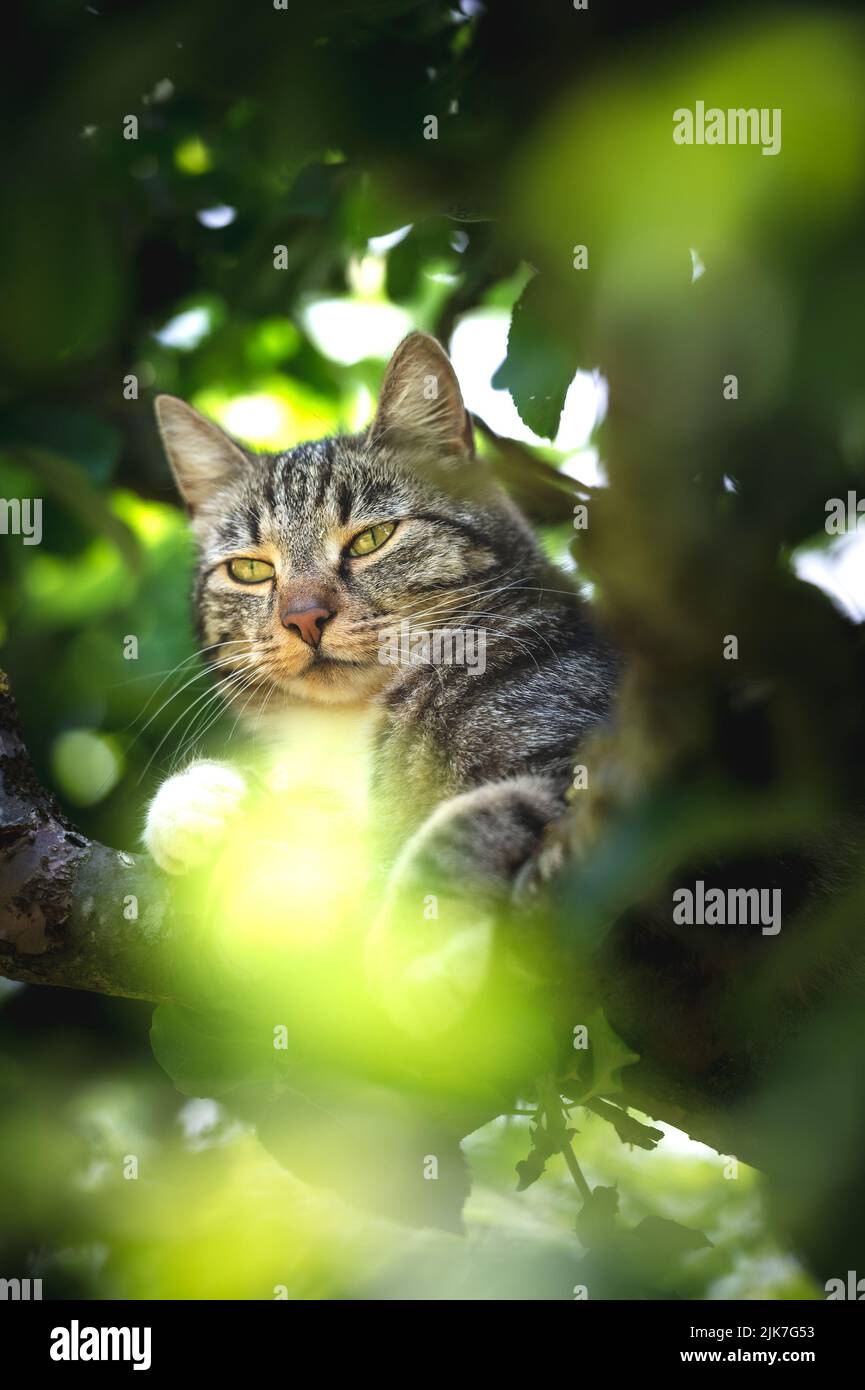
(421, 398)
(203, 458)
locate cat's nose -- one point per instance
(307, 623)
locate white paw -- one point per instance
(188, 816)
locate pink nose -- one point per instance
(307, 623)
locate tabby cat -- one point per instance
(306, 558)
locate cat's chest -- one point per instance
(410, 774)
(324, 755)
(359, 769)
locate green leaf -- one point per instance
(530, 1169)
(629, 1130)
(538, 368)
(667, 1239)
(596, 1223)
(213, 1051)
(609, 1056)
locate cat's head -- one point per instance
(305, 557)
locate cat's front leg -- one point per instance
(430, 949)
(190, 814)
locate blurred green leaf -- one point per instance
(538, 369)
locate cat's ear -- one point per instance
(420, 397)
(203, 458)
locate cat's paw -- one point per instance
(188, 817)
(430, 954)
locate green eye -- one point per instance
(370, 540)
(250, 571)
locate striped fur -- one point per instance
(500, 745)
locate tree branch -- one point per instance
(66, 919)
(63, 896)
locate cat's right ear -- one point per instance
(420, 396)
(203, 458)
